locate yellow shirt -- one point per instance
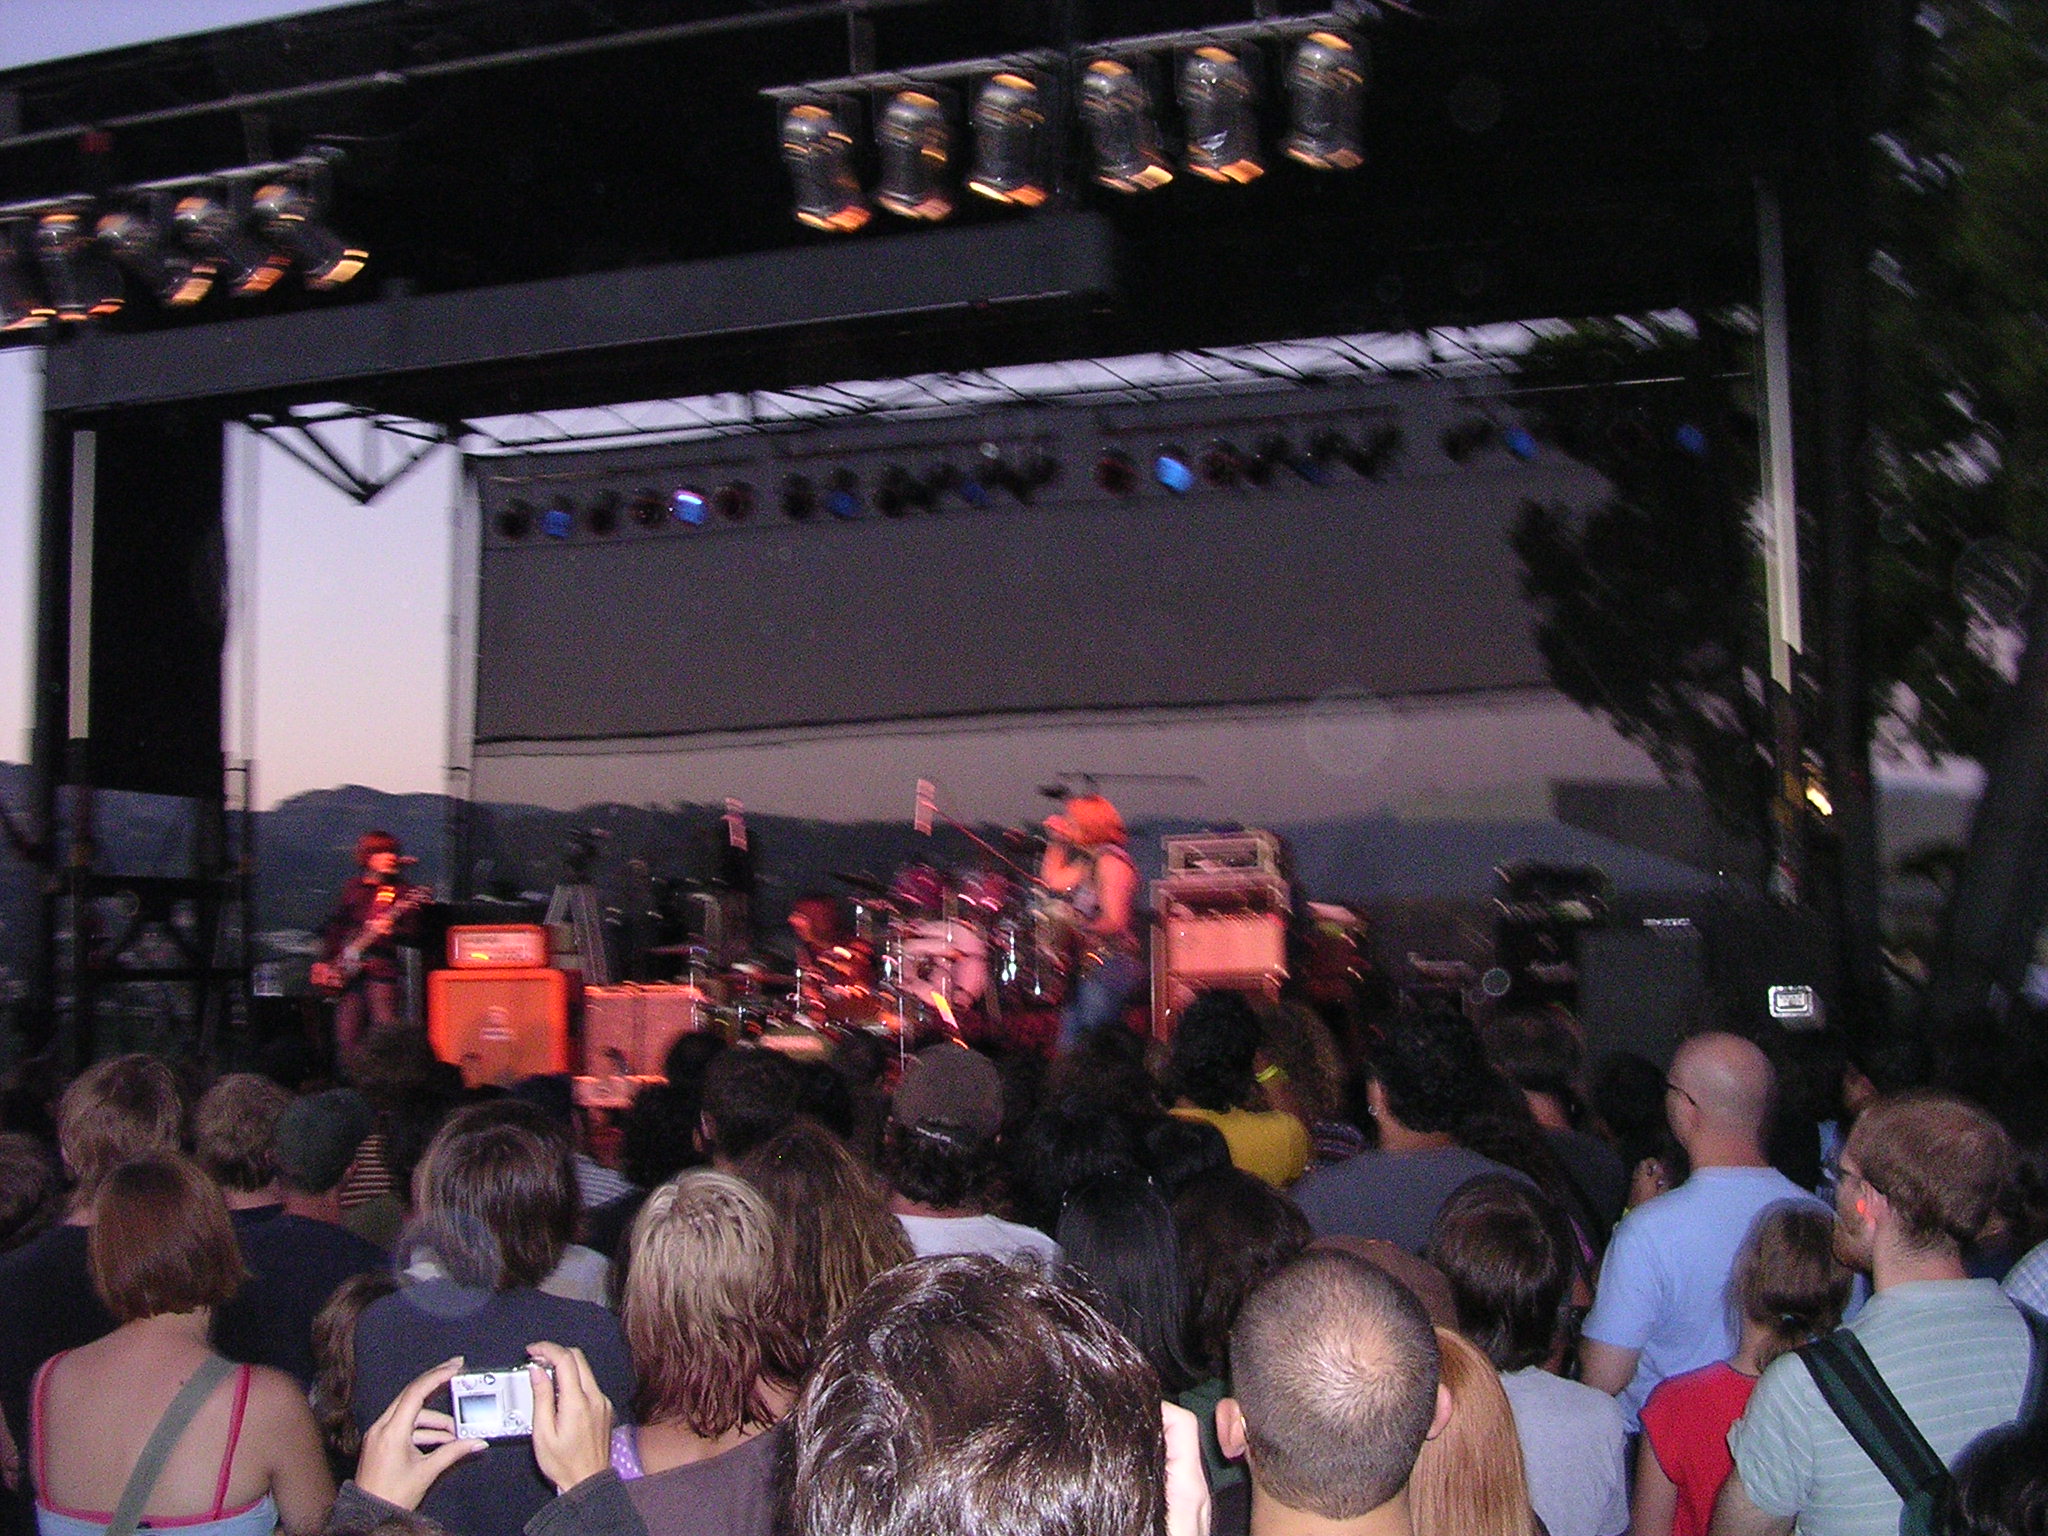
(1266, 1142)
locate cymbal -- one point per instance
(860, 880)
(761, 978)
(679, 949)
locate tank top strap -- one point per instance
(38, 1449)
(227, 1460)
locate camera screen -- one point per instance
(492, 1405)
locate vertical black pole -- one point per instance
(51, 723)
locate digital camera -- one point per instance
(492, 1405)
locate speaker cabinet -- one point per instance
(500, 1026)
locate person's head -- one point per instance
(123, 1108)
(1923, 1169)
(317, 1138)
(1064, 1145)
(28, 1190)
(658, 1137)
(161, 1240)
(2001, 1484)
(1095, 821)
(334, 1360)
(1429, 1071)
(833, 1222)
(495, 1195)
(378, 852)
(1470, 1478)
(1721, 1090)
(1120, 1249)
(939, 1150)
(1301, 1045)
(1235, 1229)
(960, 1394)
(234, 1131)
(1177, 1150)
(1538, 1052)
(1507, 1254)
(1334, 1374)
(1628, 1105)
(1215, 1046)
(749, 1095)
(706, 1315)
(1787, 1282)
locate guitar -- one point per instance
(333, 976)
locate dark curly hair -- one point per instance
(1433, 1069)
(943, 1166)
(1234, 1230)
(1214, 1047)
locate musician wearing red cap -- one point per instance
(1086, 862)
(359, 963)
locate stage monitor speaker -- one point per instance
(1642, 986)
(500, 1026)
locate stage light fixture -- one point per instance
(212, 229)
(1118, 110)
(1222, 465)
(1466, 438)
(1172, 469)
(688, 506)
(1326, 448)
(1374, 453)
(601, 517)
(22, 306)
(1217, 95)
(1326, 89)
(559, 520)
(1521, 442)
(799, 498)
(289, 214)
(516, 521)
(80, 284)
(819, 153)
(1037, 468)
(898, 491)
(917, 148)
(734, 500)
(139, 241)
(1009, 129)
(1691, 440)
(1115, 472)
(1270, 452)
(842, 494)
(648, 509)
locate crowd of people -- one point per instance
(1429, 1276)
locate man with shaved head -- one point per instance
(1661, 1309)
(1334, 1369)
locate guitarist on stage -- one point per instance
(358, 963)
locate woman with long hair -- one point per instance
(1788, 1287)
(833, 1220)
(1469, 1478)
(1122, 1252)
(148, 1423)
(719, 1353)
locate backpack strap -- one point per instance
(1843, 1371)
(149, 1466)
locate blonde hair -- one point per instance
(706, 1313)
(1470, 1479)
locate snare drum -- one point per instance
(950, 958)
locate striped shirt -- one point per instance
(1955, 1354)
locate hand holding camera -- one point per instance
(572, 1418)
(411, 1444)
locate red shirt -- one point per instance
(1687, 1419)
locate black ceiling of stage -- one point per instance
(1527, 157)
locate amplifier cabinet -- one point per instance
(1193, 950)
(500, 1026)
(627, 1030)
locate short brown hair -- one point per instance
(234, 1130)
(705, 1312)
(496, 1195)
(961, 1394)
(28, 1190)
(1787, 1279)
(1334, 1365)
(122, 1108)
(161, 1240)
(1941, 1161)
(1507, 1254)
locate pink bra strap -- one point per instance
(38, 1450)
(227, 1461)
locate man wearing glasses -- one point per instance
(1920, 1176)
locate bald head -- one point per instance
(1728, 1085)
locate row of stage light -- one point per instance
(237, 230)
(898, 490)
(1019, 103)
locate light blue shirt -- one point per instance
(1664, 1286)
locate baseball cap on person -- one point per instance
(317, 1137)
(950, 1085)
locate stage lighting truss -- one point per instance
(1021, 105)
(240, 229)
